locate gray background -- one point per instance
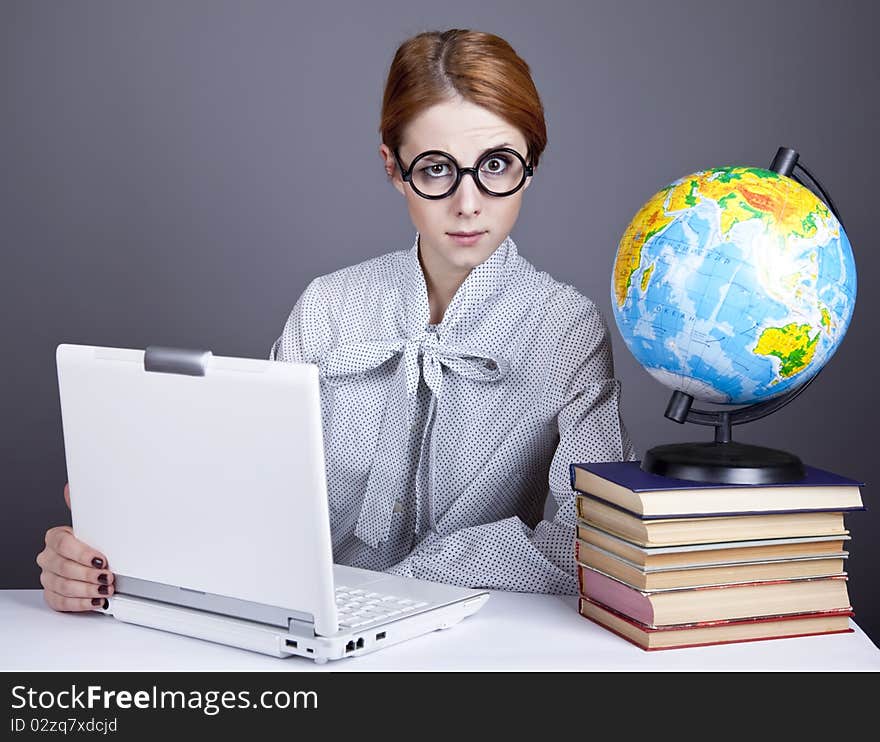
(176, 173)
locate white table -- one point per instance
(513, 631)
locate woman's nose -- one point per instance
(468, 197)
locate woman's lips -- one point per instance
(466, 238)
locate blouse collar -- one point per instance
(481, 284)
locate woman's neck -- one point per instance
(439, 296)
(441, 284)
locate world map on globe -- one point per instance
(733, 285)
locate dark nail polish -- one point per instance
(97, 563)
(102, 589)
(98, 601)
(106, 604)
(102, 578)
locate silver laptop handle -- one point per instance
(176, 360)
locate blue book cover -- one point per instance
(629, 474)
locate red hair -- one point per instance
(482, 68)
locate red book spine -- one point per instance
(713, 643)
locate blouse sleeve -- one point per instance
(507, 554)
(308, 328)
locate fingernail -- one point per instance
(102, 578)
(98, 601)
(97, 563)
(102, 589)
(106, 604)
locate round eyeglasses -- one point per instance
(435, 174)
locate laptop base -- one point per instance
(277, 642)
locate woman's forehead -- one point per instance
(464, 130)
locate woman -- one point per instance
(454, 375)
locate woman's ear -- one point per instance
(390, 165)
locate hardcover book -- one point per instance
(715, 602)
(703, 575)
(706, 529)
(679, 636)
(689, 555)
(623, 483)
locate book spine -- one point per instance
(709, 644)
(718, 622)
(585, 497)
(609, 591)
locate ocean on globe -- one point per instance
(733, 285)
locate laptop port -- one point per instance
(380, 635)
(360, 643)
(290, 643)
(350, 646)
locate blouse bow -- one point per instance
(384, 480)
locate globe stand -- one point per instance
(723, 460)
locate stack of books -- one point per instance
(671, 563)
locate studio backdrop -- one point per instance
(177, 173)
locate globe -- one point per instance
(733, 285)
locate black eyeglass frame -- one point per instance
(406, 173)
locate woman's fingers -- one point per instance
(74, 576)
(52, 561)
(61, 540)
(67, 494)
(63, 603)
(73, 588)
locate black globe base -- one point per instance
(724, 463)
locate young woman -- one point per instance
(458, 382)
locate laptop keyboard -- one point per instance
(357, 607)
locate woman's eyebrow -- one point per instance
(497, 146)
(491, 149)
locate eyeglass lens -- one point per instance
(498, 172)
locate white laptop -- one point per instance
(202, 479)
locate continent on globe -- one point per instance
(791, 344)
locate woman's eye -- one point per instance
(436, 170)
(496, 165)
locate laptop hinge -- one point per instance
(176, 360)
(300, 628)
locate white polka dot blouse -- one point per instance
(443, 441)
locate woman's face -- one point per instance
(465, 131)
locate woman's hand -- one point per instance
(75, 576)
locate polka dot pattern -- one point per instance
(443, 441)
